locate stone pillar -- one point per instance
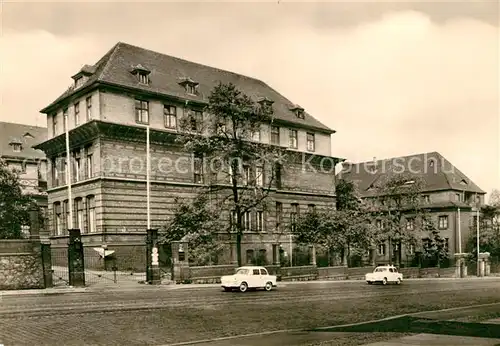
(47, 265)
(276, 254)
(483, 260)
(312, 255)
(76, 265)
(153, 276)
(460, 267)
(180, 261)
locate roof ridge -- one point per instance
(429, 153)
(194, 63)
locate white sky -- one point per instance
(392, 78)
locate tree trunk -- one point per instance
(390, 251)
(238, 248)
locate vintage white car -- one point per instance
(384, 274)
(248, 277)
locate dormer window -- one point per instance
(266, 104)
(16, 146)
(82, 76)
(298, 111)
(141, 73)
(28, 135)
(189, 85)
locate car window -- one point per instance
(263, 272)
(242, 271)
(395, 270)
(390, 269)
(381, 269)
(256, 272)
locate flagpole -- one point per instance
(148, 169)
(68, 174)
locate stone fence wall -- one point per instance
(22, 265)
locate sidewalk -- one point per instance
(442, 340)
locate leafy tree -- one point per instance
(396, 196)
(434, 246)
(224, 140)
(489, 231)
(348, 227)
(14, 205)
(198, 223)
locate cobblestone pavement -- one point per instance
(168, 316)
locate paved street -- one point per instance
(169, 315)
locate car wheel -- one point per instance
(384, 281)
(399, 281)
(243, 287)
(227, 289)
(269, 286)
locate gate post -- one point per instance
(47, 265)
(153, 276)
(75, 259)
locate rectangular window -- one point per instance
(275, 135)
(141, 111)
(381, 249)
(91, 220)
(195, 120)
(446, 245)
(88, 104)
(293, 143)
(278, 175)
(65, 119)
(54, 124)
(246, 175)
(259, 176)
(198, 169)
(143, 78)
(458, 197)
(294, 215)
(256, 135)
(57, 219)
(410, 224)
(77, 113)
(279, 215)
(79, 214)
(411, 249)
(66, 211)
(259, 221)
(310, 142)
(89, 163)
(443, 222)
(246, 221)
(170, 116)
(55, 172)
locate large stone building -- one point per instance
(107, 108)
(16, 141)
(449, 196)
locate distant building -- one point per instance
(16, 141)
(107, 109)
(449, 195)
